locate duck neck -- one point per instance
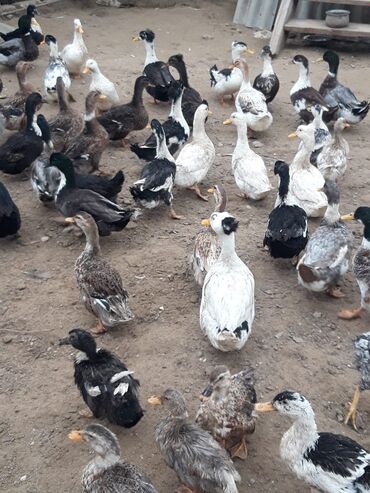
(53, 53)
(228, 247)
(333, 68)
(366, 237)
(300, 436)
(91, 123)
(332, 214)
(302, 158)
(199, 131)
(242, 143)
(163, 152)
(62, 99)
(77, 38)
(303, 80)
(283, 187)
(151, 57)
(32, 122)
(267, 67)
(24, 84)
(176, 110)
(100, 464)
(181, 68)
(92, 246)
(137, 98)
(67, 178)
(246, 83)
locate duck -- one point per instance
(125, 118)
(329, 462)
(252, 102)
(175, 127)
(322, 134)
(361, 264)
(157, 71)
(337, 95)
(267, 81)
(10, 218)
(46, 179)
(25, 20)
(107, 472)
(306, 181)
(361, 361)
(102, 84)
(207, 247)
(228, 80)
(248, 167)
(328, 252)
(227, 406)
(38, 167)
(332, 160)
(227, 320)
(286, 235)
(74, 54)
(21, 148)
(201, 464)
(157, 177)
(17, 49)
(303, 95)
(86, 148)
(67, 123)
(196, 158)
(56, 68)
(69, 200)
(191, 98)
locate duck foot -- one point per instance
(336, 293)
(239, 450)
(173, 214)
(196, 189)
(352, 413)
(351, 314)
(99, 328)
(85, 413)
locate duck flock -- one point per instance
(62, 157)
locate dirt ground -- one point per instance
(297, 341)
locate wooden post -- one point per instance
(278, 37)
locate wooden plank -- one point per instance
(314, 26)
(361, 3)
(279, 35)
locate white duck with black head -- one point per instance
(329, 462)
(56, 68)
(227, 307)
(267, 81)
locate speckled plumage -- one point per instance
(362, 359)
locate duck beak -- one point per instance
(76, 436)
(80, 30)
(227, 122)
(264, 407)
(210, 112)
(249, 51)
(155, 400)
(86, 70)
(347, 125)
(211, 190)
(348, 217)
(42, 42)
(148, 126)
(207, 392)
(206, 222)
(292, 135)
(70, 220)
(64, 342)
(319, 60)
(136, 38)
(102, 97)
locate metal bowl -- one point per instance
(337, 18)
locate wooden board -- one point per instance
(313, 26)
(361, 3)
(278, 36)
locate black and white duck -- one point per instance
(267, 81)
(329, 462)
(336, 94)
(332, 160)
(157, 71)
(175, 127)
(56, 68)
(26, 20)
(23, 147)
(199, 461)
(17, 49)
(10, 219)
(287, 231)
(69, 200)
(105, 383)
(328, 252)
(157, 177)
(303, 95)
(322, 134)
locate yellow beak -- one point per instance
(148, 126)
(292, 135)
(76, 436)
(86, 70)
(264, 407)
(206, 222)
(346, 125)
(155, 400)
(42, 42)
(227, 122)
(319, 60)
(70, 220)
(348, 217)
(249, 51)
(136, 38)
(102, 97)
(211, 190)
(210, 112)
(80, 30)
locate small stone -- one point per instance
(7, 339)
(257, 144)
(297, 340)
(44, 239)
(208, 36)
(23, 478)
(317, 314)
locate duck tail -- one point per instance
(212, 73)
(362, 109)
(146, 153)
(116, 182)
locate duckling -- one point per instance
(10, 218)
(303, 95)
(105, 383)
(200, 463)
(56, 68)
(107, 472)
(102, 84)
(23, 147)
(196, 158)
(74, 54)
(362, 364)
(191, 98)
(332, 463)
(337, 95)
(207, 247)
(157, 177)
(306, 181)
(15, 50)
(69, 199)
(227, 408)
(227, 320)
(86, 149)
(175, 127)
(361, 264)
(328, 251)
(125, 118)
(228, 80)
(157, 72)
(287, 231)
(332, 160)
(67, 123)
(248, 168)
(267, 82)
(252, 102)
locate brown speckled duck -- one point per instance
(227, 408)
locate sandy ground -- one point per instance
(297, 342)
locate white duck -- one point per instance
(196, 158)
(332, 161)
(306, 181)
(227, 319)
(102, 84)
(74, 54)
(56, 68)
(248, 167)
(228, 80)
(252, 102)
(322, 134)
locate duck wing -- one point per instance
(158, 73)
(155, 175)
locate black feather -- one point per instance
(10, 219)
